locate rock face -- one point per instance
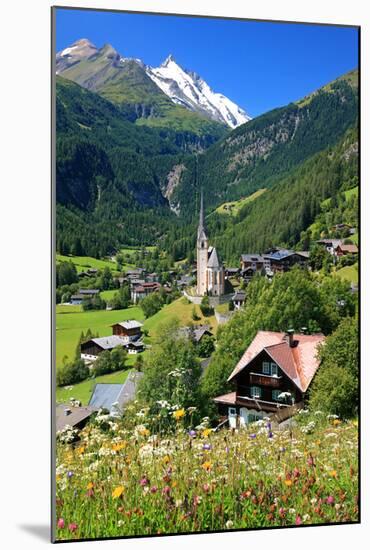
(190, 90)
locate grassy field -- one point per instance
(233, 207)
(108, 294)
(118, 483)
(82, 263)
(70, 325)
(179, 309)
(349, 273)
(82, 391)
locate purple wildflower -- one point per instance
(207, 447)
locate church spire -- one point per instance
(201, 229)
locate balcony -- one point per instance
(265, 380)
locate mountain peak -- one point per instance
(79, 49)
(168, 60)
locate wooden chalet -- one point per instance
(238, 299)
(274, 373)
(344, 249)
(91, 349)
(283, 260)
(128, 331)
(138, 292)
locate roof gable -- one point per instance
(299, 362)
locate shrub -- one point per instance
(205, 307)
(71, 373)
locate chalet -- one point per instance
(196, 332)
(138, 273)
(185, 281)
(88, 292)
(133, 348)
(238, 299)
(232, 271)
(274, 373)
(127, 331)
(91, 349)
(115, 397)
(255, 262)
(342, 227)
(76, 299)
(69, 415)
(344, 249)
(283, 260)
(329, 244)
(138, 292)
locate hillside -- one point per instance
(125, 82)
(262, 151)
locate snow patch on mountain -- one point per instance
(190, 90)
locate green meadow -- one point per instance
(82, 391)
(83, 263)
(70, 324)
(234, 207)
(349, 273)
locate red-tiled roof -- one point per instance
(350, 248)
(299, 362)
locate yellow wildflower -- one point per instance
(207, 466)
(179, 414)
(174, 484)
(288, 482)
(333, 473)
(206, 432)
(118, 446)
(80, 450)
(144, 431)
(90, 485)
(336, 422)
(166, 459)
(118, 491)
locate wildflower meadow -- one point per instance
(114, 480)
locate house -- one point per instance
(115, 396)
(232, 272)
(68, 415)
(283, 260)
(76, 299)
(89, 292)
(137, 273)
(127, 331)
(238, 299)
(138, 292)
(344, 249)
(274, 373)
(341, 227)
(196, 332)
(330, 244)
(133, 348)
(184, 281)
(91, 349)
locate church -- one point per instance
(210, 271)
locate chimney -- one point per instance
(290, 334)
(67, 412)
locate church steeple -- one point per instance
(201, 229)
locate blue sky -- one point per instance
(259, 65)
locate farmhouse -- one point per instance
(138, 292)
(115, 397)
(89, 292)
(344, 249)
(329, 244)
(127, 331)
(238, 299)
(138, 273)
(76, 299)
(196, 333)
(274, 373)
(68, 415)
(90, 350)
(283, 260)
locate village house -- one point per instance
(232, 272)
(74, 416)
(273, 374)
(283, 260)
(196, 332)
(76, 299)
(138, 273)
(128, 331)
(238, 299)
(91, 349)
(329, 244)
(138, 292)
(115, 397)
(344, 249)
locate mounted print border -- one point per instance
(206, 246)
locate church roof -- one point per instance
(213, 259)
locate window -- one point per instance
(274, 369)
(232, 411)
(266, 367)
(255, 392)
(275, 395)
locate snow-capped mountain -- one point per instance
(190, 90)
(183, 87)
